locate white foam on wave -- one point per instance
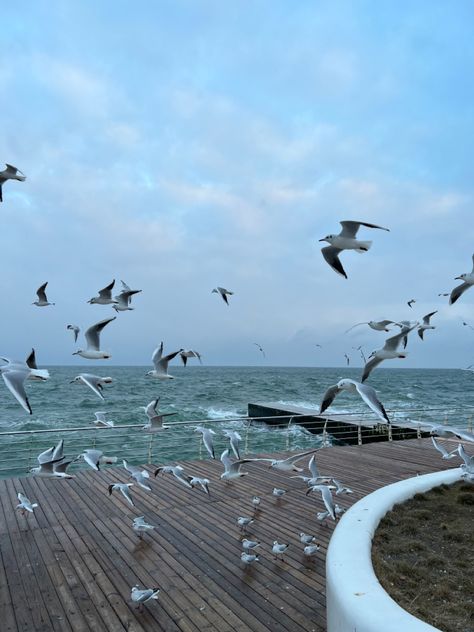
(223, 413)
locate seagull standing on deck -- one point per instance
(223, 292)
(345, 240)
(160, 361)
(10, 173)
(467, 281)
(42, 299)
(92, 335)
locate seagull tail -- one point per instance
(363, 246)
(42, 374)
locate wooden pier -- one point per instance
(70, 566)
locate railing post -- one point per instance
(150, 448)
(359, 434)
(288, 434)
(247, 426)
(390, 438)
(469, 424)
(445, 421)
(418, 432)
(325, 434)
(30, 446)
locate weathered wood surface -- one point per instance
(70, 566)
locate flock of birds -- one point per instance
(53, 464)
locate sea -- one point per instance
(216, 395)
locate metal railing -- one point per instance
(178, 441)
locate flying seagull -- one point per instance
(123, 300)
(388, 351)
(155, 419)
(345, 240)
(366, 392)
(260, 349)
(189, 353)
(426, 324)
(223, 292)
(378, 325)
(92, 335)
(14, 375)
(411, 301)
(75, 329)
(467, 281)
(105, 296)
(94, 382)
(10, 173)
(42, 299)
(161, 363)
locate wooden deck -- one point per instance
(71, 565)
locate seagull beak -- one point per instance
(321, 240)
(460, 278)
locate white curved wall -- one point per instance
(356, 602)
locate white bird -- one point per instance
(426, 324)
(311, 549)
(223, 292)
(248, 558)
(189, 353)
(92, 335)
(94, 382)
(207, 439)
(203, 482)
(445, 431)
(340, 489)
(105, 296)
(10, 173)
(388, 351)
(141, 526)
(442, 450)
(232, 468)
(93, 458)
(256, 501)
(345, 240)
(123, 300)
(42, 300)
(279, 549)
(161, 363)
(244, 522)
(366, 392)
(249, 545)
(467, 281)
(48, 469)
(100, 420)
(307, 539)
(278, 493)
(468, 466)
(234, 439)
(138, 474)
(288, 464)
(14, 374)
(25, 504)
(75, 329)
(377, 325)
(124, 489)
(326, 498)
(52, 454)
(177, 471)
(142, 596)
(155, 419)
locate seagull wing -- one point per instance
(157, 353)
(15, 382)
(31, 360)
(369, 396)
(426, 319)
(313, 468)
(92, 384)
(370, 366)
(456, 293)
(328, 501)
(330, 254)
(41, 292)
(329, 397)
(93, 333)
(106, 292)
(296, 457)
(350, 228)
(438, 447)
(392, 343)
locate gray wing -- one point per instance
(163, 363)
(106, 292)
(157, 353)
(328, 501)
(426, 319)
(93, 333)
(329, 397)
(392, 343)
(296, 457)
(96, 387)
(456, 293)
(14, 381)
(330, 254)
(369, 396)
(41, 292)
(369, 367)
(31, 360)
(313, 468)
(350, 228)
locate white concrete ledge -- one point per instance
(356, 602)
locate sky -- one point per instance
(187, 144)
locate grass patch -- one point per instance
(423, 556)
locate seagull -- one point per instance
(161, 363)
(42, 299)
(307, 539)
(75, 329)
(362, 354)
(322, 515)
(140, 525)
(203, 482)
(155, 419)
(260, 349)
(340, 489)
(411, 301)
(142, 596)
(467, 281)
(10, 173)
(388, 351)
(36, 374)
(468, 466)
(326, 498)
(345, 240)
(445, 431)
(248, 558)
(377, 325)
(105, 296)
(467, 325)
(138, 474)
(232, 468)
(279, 493)
(234, 438)
(223, 292)
(94, 382)
(100, 420)
(52, 454)
(442, 450)
(244, 522)
(188, 353)
(278, 549)
(14, 375)
(347, 359)
(177, 471)
(250, 545)
(95, 458)
(311, 549)
(207, 439)
(426, 324)
(123, 300)
(366, 392)
(443, 294)
(256, 500)
(25, 504)
(316, 478)
(289, 464)
(124, 489)
(92, 335)
(47, 469)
